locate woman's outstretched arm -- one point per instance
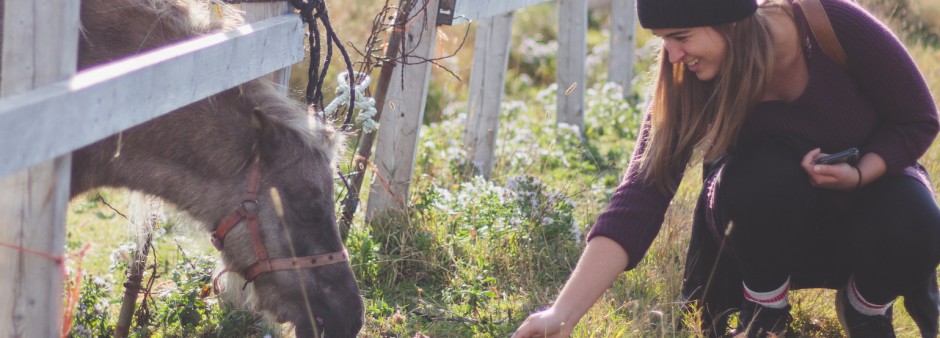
(600, 264)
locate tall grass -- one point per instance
(471, 257)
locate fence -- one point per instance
(47, 111)
(404, 107)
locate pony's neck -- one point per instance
(205, 200)
(198, 158)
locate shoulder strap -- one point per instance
(822, 29)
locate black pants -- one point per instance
(887, 233)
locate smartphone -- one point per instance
(849, 156)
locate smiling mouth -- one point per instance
(692, 63)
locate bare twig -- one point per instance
(135, 276)
(102, 200)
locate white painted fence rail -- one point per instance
(396, 147)
(45, 114)
(482, 9)
(54, 120)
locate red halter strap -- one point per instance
(248, 210)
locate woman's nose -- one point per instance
(675, 53)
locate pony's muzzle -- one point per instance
(341, 308)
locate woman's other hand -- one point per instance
(839, 176)
(546, 323)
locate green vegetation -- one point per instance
(177, 300)
(471, 257)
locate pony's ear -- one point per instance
(270, 132)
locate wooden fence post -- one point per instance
(40, 46)
(622, 43)
(401, 116)
(257, 11)
(572, 54)
(487, 84)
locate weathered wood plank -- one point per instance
(481, 9)
(572, 54)
(40, 45)
(487, 83)
(401, 118)
(258, 11)
(32, 216)
(58, 118)
(622, 44)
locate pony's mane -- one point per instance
(160, 22)
(316, 134)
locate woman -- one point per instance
(747, 89)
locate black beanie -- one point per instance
(692, 13)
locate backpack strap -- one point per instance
(821, 28)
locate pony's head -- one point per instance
(296, 260)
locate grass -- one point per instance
(178, 302)
(470, 257)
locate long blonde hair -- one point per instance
(688, 114)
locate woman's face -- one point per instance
(701, 49)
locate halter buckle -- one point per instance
(217, 242)
(250, 208)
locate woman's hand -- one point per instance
(600, 264)
(839, 176)
(547, 323)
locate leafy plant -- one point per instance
(93, 316)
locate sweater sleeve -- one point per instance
(637, 208)
(887, 76)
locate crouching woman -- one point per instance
(748, 89)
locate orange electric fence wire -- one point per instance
(72, 291)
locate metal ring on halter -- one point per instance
(251, 207)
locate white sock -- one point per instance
(861, 305)
(776, 299)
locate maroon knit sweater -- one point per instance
(881, 105)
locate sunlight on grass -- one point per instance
(471, 257)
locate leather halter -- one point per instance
(248, 210)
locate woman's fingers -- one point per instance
(825, 171)
(833, 176)
(528, 329)
(809, 166)
(545, 324)
(808, 159)
(525, 331)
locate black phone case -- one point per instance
(849, 155)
